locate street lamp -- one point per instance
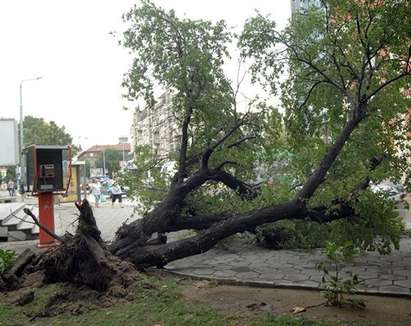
(104, 162)
(21, 108)
(21, 124)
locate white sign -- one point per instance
(9, 145)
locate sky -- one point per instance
(68, 42)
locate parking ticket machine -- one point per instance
(46, 172)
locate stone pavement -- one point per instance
(251, 265)
(5, 197)
(108, 218)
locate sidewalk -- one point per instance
(251, 265)
(5, 197)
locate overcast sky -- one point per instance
(68, 42)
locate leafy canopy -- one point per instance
(338, 56)
(41, 132)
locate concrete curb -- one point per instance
(288, 285)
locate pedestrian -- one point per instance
(96, 191)
(11, 187)
(116, 194)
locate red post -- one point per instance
(46, 218)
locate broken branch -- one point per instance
(36, 221)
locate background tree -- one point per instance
(10, 174)
(39, 131)
(112, 158)
(338, 51)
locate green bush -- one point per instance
(288, 234)
(7, 258)
(336, 287)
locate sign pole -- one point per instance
(46, 218)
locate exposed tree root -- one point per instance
(81, 259)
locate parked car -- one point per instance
(102, 178)
(394, 192)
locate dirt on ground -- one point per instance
(243, 300)
(68, 299)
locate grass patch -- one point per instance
(153, 301)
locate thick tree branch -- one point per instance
(167, 211)
(209, 151)
(184, 143)
(340, 208)
(205, 240)
(244, 190)
(319, 174)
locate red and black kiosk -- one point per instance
(46, 173)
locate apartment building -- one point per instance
(300, 5)
(156, 127)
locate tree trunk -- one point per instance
(206, 239)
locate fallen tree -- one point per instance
(353, 60)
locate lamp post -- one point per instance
(21, 126)
(104, 162)
(21, 108)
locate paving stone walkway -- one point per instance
(251, 265)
